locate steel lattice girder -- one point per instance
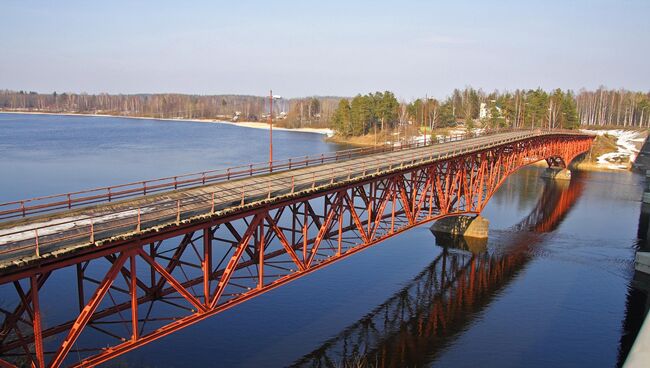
(193, 272)
(433, 307)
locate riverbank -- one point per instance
(409, 135)
(245, 124)
(613, 149)
(360, 141)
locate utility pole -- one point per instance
(271, 98)
(426, 117)
(375, 125)
(271, 131)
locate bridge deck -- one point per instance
(73, 230)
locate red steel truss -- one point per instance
(192, 271)
(411, 326)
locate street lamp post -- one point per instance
(271, 98)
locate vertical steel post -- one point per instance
(80, 286)
(304, 232)
(134, 299)
(152, 271)
(392, 215)
(207, 264)
(370, 201)
(260, 271)
(38, 328)
(340, 237)
(294, 214)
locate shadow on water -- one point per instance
(415, 324)
(637, 302)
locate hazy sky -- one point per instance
(322, 48)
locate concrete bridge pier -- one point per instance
(472, 245)
(557, 173)
(468, 233)
(462, 226)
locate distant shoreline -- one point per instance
(245, 124)
(600, 165)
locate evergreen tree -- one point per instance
(341, 120)
(569, 112)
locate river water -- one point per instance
(558, 263)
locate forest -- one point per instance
(295, 112)
(364, 114)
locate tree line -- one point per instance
(171, 106)
(614, 107)
(369, 113)
(366, 113)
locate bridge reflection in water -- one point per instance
(420, 320)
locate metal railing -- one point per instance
(31, 239)
(66, 201)
(50, 203)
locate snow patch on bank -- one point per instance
(257, 125)
(627, 149)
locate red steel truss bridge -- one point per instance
(136, 262)
(415, 324)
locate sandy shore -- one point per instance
(258, 125)
(246, 124)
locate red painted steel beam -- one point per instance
(469, 180)
(87, 312)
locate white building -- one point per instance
(484, 111)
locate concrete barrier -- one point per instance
(639, 356)
(642, 262)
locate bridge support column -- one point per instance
(463, 226)
(557, 173)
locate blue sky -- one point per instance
(334, 47)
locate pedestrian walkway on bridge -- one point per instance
(52, 234)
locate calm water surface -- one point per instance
(561, 298)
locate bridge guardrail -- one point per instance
(51, 203)
(133, 219)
